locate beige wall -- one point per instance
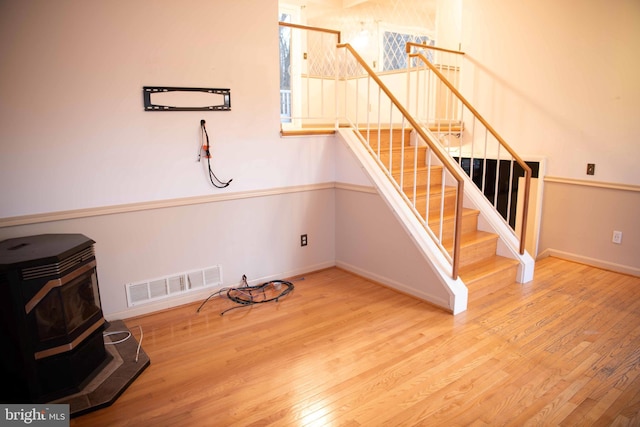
(370, 241)
(578, 221)
(255, 235)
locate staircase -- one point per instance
(481, 269)
(448, 227)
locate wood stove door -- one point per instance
(67, 312)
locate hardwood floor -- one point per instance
(340, 350)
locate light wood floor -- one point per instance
(340, 350)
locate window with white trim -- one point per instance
(394, 55)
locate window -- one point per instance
(285, 69)
(394, 55)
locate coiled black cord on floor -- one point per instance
(246, 295)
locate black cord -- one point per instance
(247, 296)
(212, 176)
(221, 291)
(250, 295)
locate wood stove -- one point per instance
(52, 323)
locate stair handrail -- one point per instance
(306, 27)
(422, 134)
(501, 141)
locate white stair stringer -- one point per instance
(458, 292)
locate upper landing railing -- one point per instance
(307, 76)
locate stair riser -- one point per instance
(421, 179)
(447, 235)
(478, 251)
(496, 281)
(410, 158)
(385, 141)
(469, 224)
(434, 202)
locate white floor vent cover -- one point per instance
(170, 286)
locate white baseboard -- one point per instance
(160, 305)
(606, 265)
(166, 304)
(400, 287)
(192, 297)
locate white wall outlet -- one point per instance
(617, 237)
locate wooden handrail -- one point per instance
(424, 46)
(427, 139)
(306, 27)
(503, 143)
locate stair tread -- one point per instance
(448, 215)
(445, 128)
(486, 267)
(385, 127)
(446, 124)
(307, 132)
(476, 236)
(435, 190)
(471, 238)
(408, 172)
(400, 148)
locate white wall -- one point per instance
(73, 132)
(74, 136)
(448, 23)
(559, 80)
(76, 142)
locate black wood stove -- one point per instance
(52, 323)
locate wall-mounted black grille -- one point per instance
(147, 91)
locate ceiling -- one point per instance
(320, 8)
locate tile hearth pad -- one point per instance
(113, 377)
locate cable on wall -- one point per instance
(206, 147)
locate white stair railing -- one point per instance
(412, 141)
(422, 176)
(310, 76)
(465, 135)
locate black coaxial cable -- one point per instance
(207, 150)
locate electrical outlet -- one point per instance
(303, 240)
(591, 168)
(617, 237)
